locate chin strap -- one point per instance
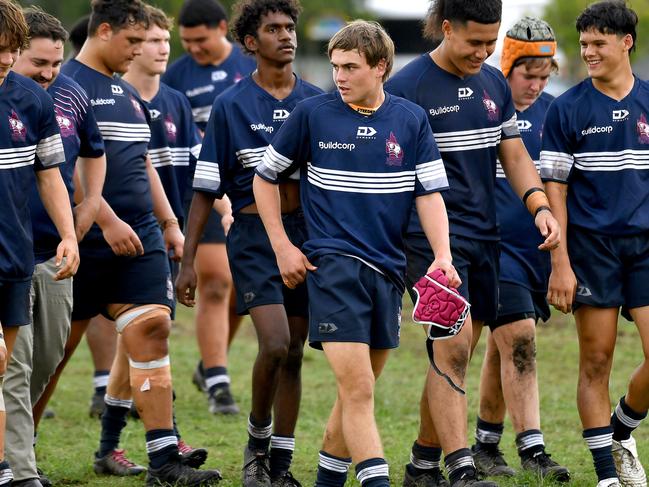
(431, 359)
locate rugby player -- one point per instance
(508, 380)
(126, 276)
(593, 159)
(39, 348)
(211, 64)
(244, 120)
(474, 121)
(31, 150)
(365, 157)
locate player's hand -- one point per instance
(226, 222)
(67, 258)
(122, 239)
(3, 357)
(174, 241)
(293, 266)
(84, 216)
(562, 287)
(549, 228)
(186, 285)
(449, 271)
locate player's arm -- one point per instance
(526, 183)
(90, 173)
(434, 220)
(54, 196)
(556, 165)
(171, 233)
(292, 263)
(563, 283)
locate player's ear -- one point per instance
(104, 31)
(250, 42)
(447, 28)
(628, 42)
(381, 66)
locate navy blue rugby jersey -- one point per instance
(202, 84)
(174, 147)
(29, 141)
(244, 120)
(362, 174)
(521, 261)
(469, 117)
(124, 125)
(600, 148)
(81, 138)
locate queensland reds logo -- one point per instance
(65, 124)
(490, 106)
(17, 127)
(394, 151)
(643, 129)
(171, 128)
(138, 108)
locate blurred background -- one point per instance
(403, 19)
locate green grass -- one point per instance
(67, 442)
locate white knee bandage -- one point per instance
(152, 374)
(140, 314)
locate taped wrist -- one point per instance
(534, 199)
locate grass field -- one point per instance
(67, 442)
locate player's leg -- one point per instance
(101, 337)
(355, 382)
(212, 330)
(109, 459)
(14, 384)
(234, 320)
(286, 406)
(596, 329)
(631, 409)
(517, 345)
(77, 330)
(487, 456)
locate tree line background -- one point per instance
(561, 14)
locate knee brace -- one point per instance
(153, 374)
(140, 314)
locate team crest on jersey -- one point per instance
(17, 127)
(66, 127)
(171, 128)
(138, 108)
(643, 129)
(490, 106)
(394, 151)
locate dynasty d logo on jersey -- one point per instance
(464, 93)
(365, 133)
(155, 114)
(523, 125)
(394, 151)
(116, 89)
(620, 115)
(219, 76)
(280, 115)
(17, 127)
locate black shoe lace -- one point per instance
(544, 460)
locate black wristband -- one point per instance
(529, 192)
(541, 208)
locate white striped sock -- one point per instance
(282, 442)
(599, 441)
(119, 403)
(160, 443)
(373, 472)
(334, 464)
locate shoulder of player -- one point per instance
(409, 108)
(573, 96)
(172, 94)
(310, 89)
(179, 65)
(30, 87)
(494, 75)
(66, 83)
(411, 75)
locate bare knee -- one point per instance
(274, 352)
(214, 287)
(357, 391)
(458, 361)
(294, 356)
(596, 365)
(524, 354)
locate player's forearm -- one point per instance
(161, 207)
(434, 220)
(199, 212)
(557, 195)
(106, 215)
(518, 166)
(223, 206)
(54, 196)
(91, 176)
(270, 210)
